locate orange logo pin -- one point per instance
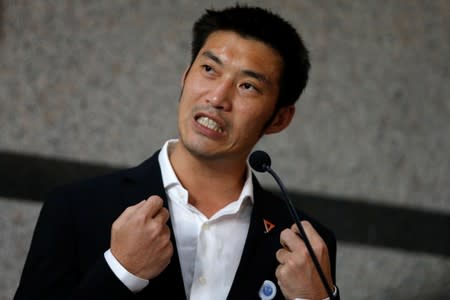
(268, 225)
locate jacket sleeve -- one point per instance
(332, 245)
(52, 269)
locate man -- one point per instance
(191, 221)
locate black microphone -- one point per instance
(260, 161)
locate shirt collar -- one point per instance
(170, 179)
(167, 173)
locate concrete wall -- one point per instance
(98, 82)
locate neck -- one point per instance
(212, 183)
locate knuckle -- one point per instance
(139, 218)
(156, 201)
(167, 252)
(165, 239)
(284, 234)
(115, 226)
(281, 272)
(306, 224)
(170, 250)
(129, 209)
(165, 213)
(278, 271)
(157, 228)
(291, 264)
(167, 231)
(320, 248)
(278, 254)
(162, 216)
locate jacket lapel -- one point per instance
(258, 261)
(140, 183)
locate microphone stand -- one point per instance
(303, 235)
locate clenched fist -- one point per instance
(297, 276)
(140, 238)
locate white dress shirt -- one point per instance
(209, 249)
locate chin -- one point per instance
(202, 152)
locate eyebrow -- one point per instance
(250, 73)
(211, 55)
(256, 75)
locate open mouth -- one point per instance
(209, 123)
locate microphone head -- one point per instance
(260, 161)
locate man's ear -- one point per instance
(281, 120)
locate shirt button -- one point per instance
(202, 280)
(205, 226)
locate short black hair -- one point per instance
(265, 26)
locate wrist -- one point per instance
(132, 282)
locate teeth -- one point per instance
(210, 124)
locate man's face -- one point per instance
(228, 96)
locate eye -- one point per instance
(207, 68)
(249, 87)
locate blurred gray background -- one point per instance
(96, 83)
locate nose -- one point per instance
(220, 96)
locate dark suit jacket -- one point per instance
(66, 260)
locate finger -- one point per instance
(290, 240)
(130, 210)
(166, 236)
(162, 216)
(278, 273)
(313, 237)
(294, 227)
(152, 206)
(317, 243)
(281, 272)
(282, 255)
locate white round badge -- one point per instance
(268, 290)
